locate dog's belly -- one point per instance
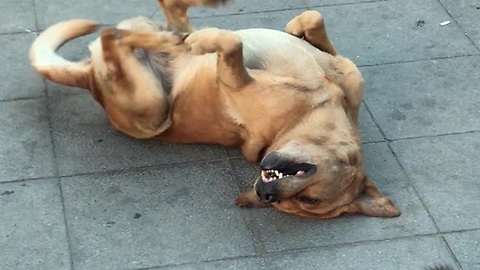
(264, 47)
(199, 115)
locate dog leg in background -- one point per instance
(310, 25)
(231, 71)
(176, 12)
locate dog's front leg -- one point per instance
(231, 72)
(310, 25)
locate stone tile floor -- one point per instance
(76, 195)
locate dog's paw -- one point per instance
(250, 199)
(307, 20)
(204, 41)
(243, 202)
(210, 40)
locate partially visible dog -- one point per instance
(285, 98)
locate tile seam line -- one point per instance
(452, 254)
(150, 167)
(313, 248)
(35, 16)
(246, 216)
(34, 32)
(437, 235)
(433, 136)
(40, 29)
(350, 3)
(402, 168)
(154, 13)
(161, 166)
(420, 60)
(103, 172)
(459, 25)
(305, 6)
(140, 168)
(26, 98)
(32, 179)
(59, 184)
(298, 250)
(417, 193)
(196, 262)
(65, 221)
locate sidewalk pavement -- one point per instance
(74, 194)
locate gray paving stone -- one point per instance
(389, 33)
(110, 12)
(466, 13)
(279, 231)
(425, 98)
(445, 172)
(26, 149)
(276, 20)
(85, 142)
(466, 247)
(247, 263)
(247, 6)
(368, 128)
(400, 254)
(32, 228)
(17, 16)
(17, 78)
(174, 215)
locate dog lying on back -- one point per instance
(285, 98)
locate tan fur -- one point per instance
(264, 91)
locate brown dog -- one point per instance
(285, 98)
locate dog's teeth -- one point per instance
(264, 175)
(280, 175)
(300, 172)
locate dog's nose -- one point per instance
(267, 191)
(269, 197)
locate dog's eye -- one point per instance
(308, 200)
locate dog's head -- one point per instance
(317, 172)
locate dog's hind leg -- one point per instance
(310, 25)
(176, 12)
(133, 96)
(350, 79)
(231, 71)
(157, 41)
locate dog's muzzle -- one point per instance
(277, 168)
(267, 191)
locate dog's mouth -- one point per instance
(286, 170)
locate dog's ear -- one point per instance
(250, 198)
(371, 202)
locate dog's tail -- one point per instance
(47, 62)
